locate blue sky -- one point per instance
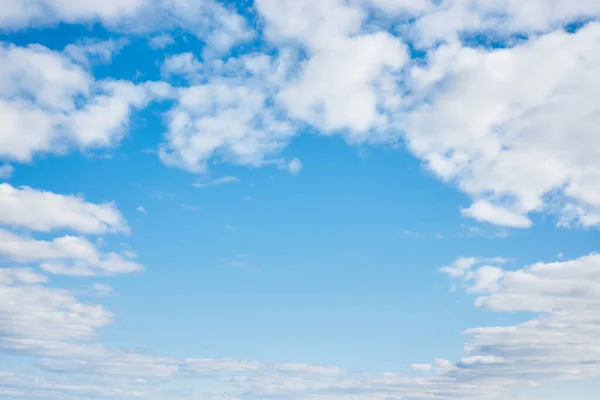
(362, 199)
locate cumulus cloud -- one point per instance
(45, 211)
(337, 88)
(229, 116)
(66, 255)
(218, 26)
(162, 41)
(491, 115)
(447, 20)
(49, 104)
(512, 125)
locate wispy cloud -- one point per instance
(218, 181)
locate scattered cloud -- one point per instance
(513, 125)
(295, 166)
(66, 255)
(422, 367)
(45, 211)
(162, 41)
(102, 289)
(141, 209)
(89, 51)
(217, 181)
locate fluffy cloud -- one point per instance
(40, 319)
(218, 26)
(475, 116)
(49, 104)
(338, 85)
(161, 41)
(228, 116)
(45, 211)
(17, 14)
(447, 20)
(9, 276)
(66, 255)
(514, 128)
(94, 51)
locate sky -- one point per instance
(290, 200)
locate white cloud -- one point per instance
(88, 51)
(217, 181)
(310, 369)
(450, 18)
(485, 211)
(59, 106)
(478, 360)
(340, 85)
(212, 22)
(228, 117)
(421, 367)
(294, 166)
(46, 211)
(462, 265)
(9, 276)
(66, 255)
(560, 343)
(102, 288)
(17, 14)
(514, 128)
(182, 64)
(201, 365)
(141, 210)
(161, 41)
(500, 361)
(36, 318)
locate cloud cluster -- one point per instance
(35, 210)
(560, 343)
(228, 115)
(493, 114)
(209, 20)
(495, 97)
(476, 114)
(49, 104)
